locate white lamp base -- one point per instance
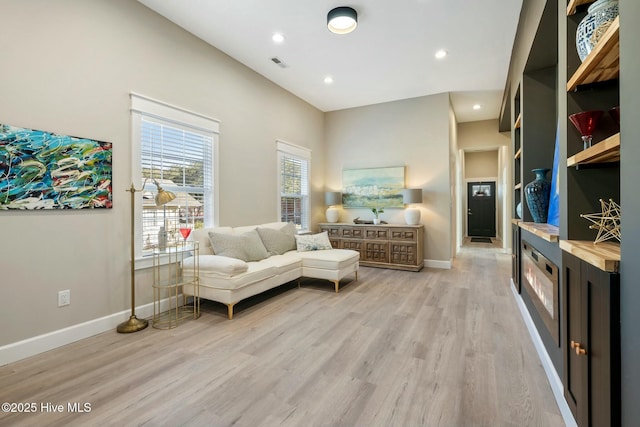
(412, 216)
(332, 214)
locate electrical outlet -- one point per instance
(64, 298)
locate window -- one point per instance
(293, 183)
(176, 149)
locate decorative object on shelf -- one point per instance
(537, 195)
(163, 237)
(586, 122)
(553, 216)
(519, 210)
(342, 20)
(331, 199)
(615, 114)
(133, 324)
(374, 187)
(185, 231)
(599, 17)
(357, 220)
(376, 212)
(44, 170)
(607, 222)
(410, 196)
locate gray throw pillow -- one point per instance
(246, 246)
(277, 242)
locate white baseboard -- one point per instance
(434, 263)
(39, 344)
(547, 364)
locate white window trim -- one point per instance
(298, 151)
(144, 105)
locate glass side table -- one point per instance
(170, 304)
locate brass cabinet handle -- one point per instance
(580, 351)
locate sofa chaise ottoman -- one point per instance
(238, 262)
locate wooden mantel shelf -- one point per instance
(547, 232)
(603, 63)
(602, 152)
(604, 255)
(573, 5)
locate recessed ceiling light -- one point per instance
(441, 54)
(277, 38)
(476, 106)
(328, 80)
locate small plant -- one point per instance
(377, 211)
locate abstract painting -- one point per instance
(44, 170)
(373, 188)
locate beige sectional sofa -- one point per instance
(242, 265)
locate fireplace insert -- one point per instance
(540, 279)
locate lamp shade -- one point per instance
(342, 20)
(332, 198)
(163, 197)
(412, 195)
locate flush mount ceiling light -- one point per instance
(328, 80)
(342, 20)
(277, 38)
(476, 106)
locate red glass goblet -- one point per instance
(185, 232)
(586, 122)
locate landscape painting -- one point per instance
(373, 188)
(44, 170)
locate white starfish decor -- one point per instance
(606, 222)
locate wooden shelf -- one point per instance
(605, 151)
(518, 122)
(605, 255)
(573, 5)
(517, 186)
(547, 232)
(603, 63)
(516, 221)
(518, 153)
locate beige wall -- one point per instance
(481, 164)
(68, 67)
(413, 133)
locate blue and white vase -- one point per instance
(599, 17)
(537, 195)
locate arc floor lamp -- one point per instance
(133, 324)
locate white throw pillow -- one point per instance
(313, 242)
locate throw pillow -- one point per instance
(313, 242)
(277, 242)
(246, 247)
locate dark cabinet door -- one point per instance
(591, 345)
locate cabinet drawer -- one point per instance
(352, 233)
(376, 233)
(404, 234)
(331, 231)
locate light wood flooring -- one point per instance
(434, 348)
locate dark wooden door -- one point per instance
(481, 209)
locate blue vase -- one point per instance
(537, 195)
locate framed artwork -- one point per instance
(44, 170)
(373, 188)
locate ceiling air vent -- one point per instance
(278, 62)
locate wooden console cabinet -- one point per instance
(393, 246)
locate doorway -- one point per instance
(481, 209)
